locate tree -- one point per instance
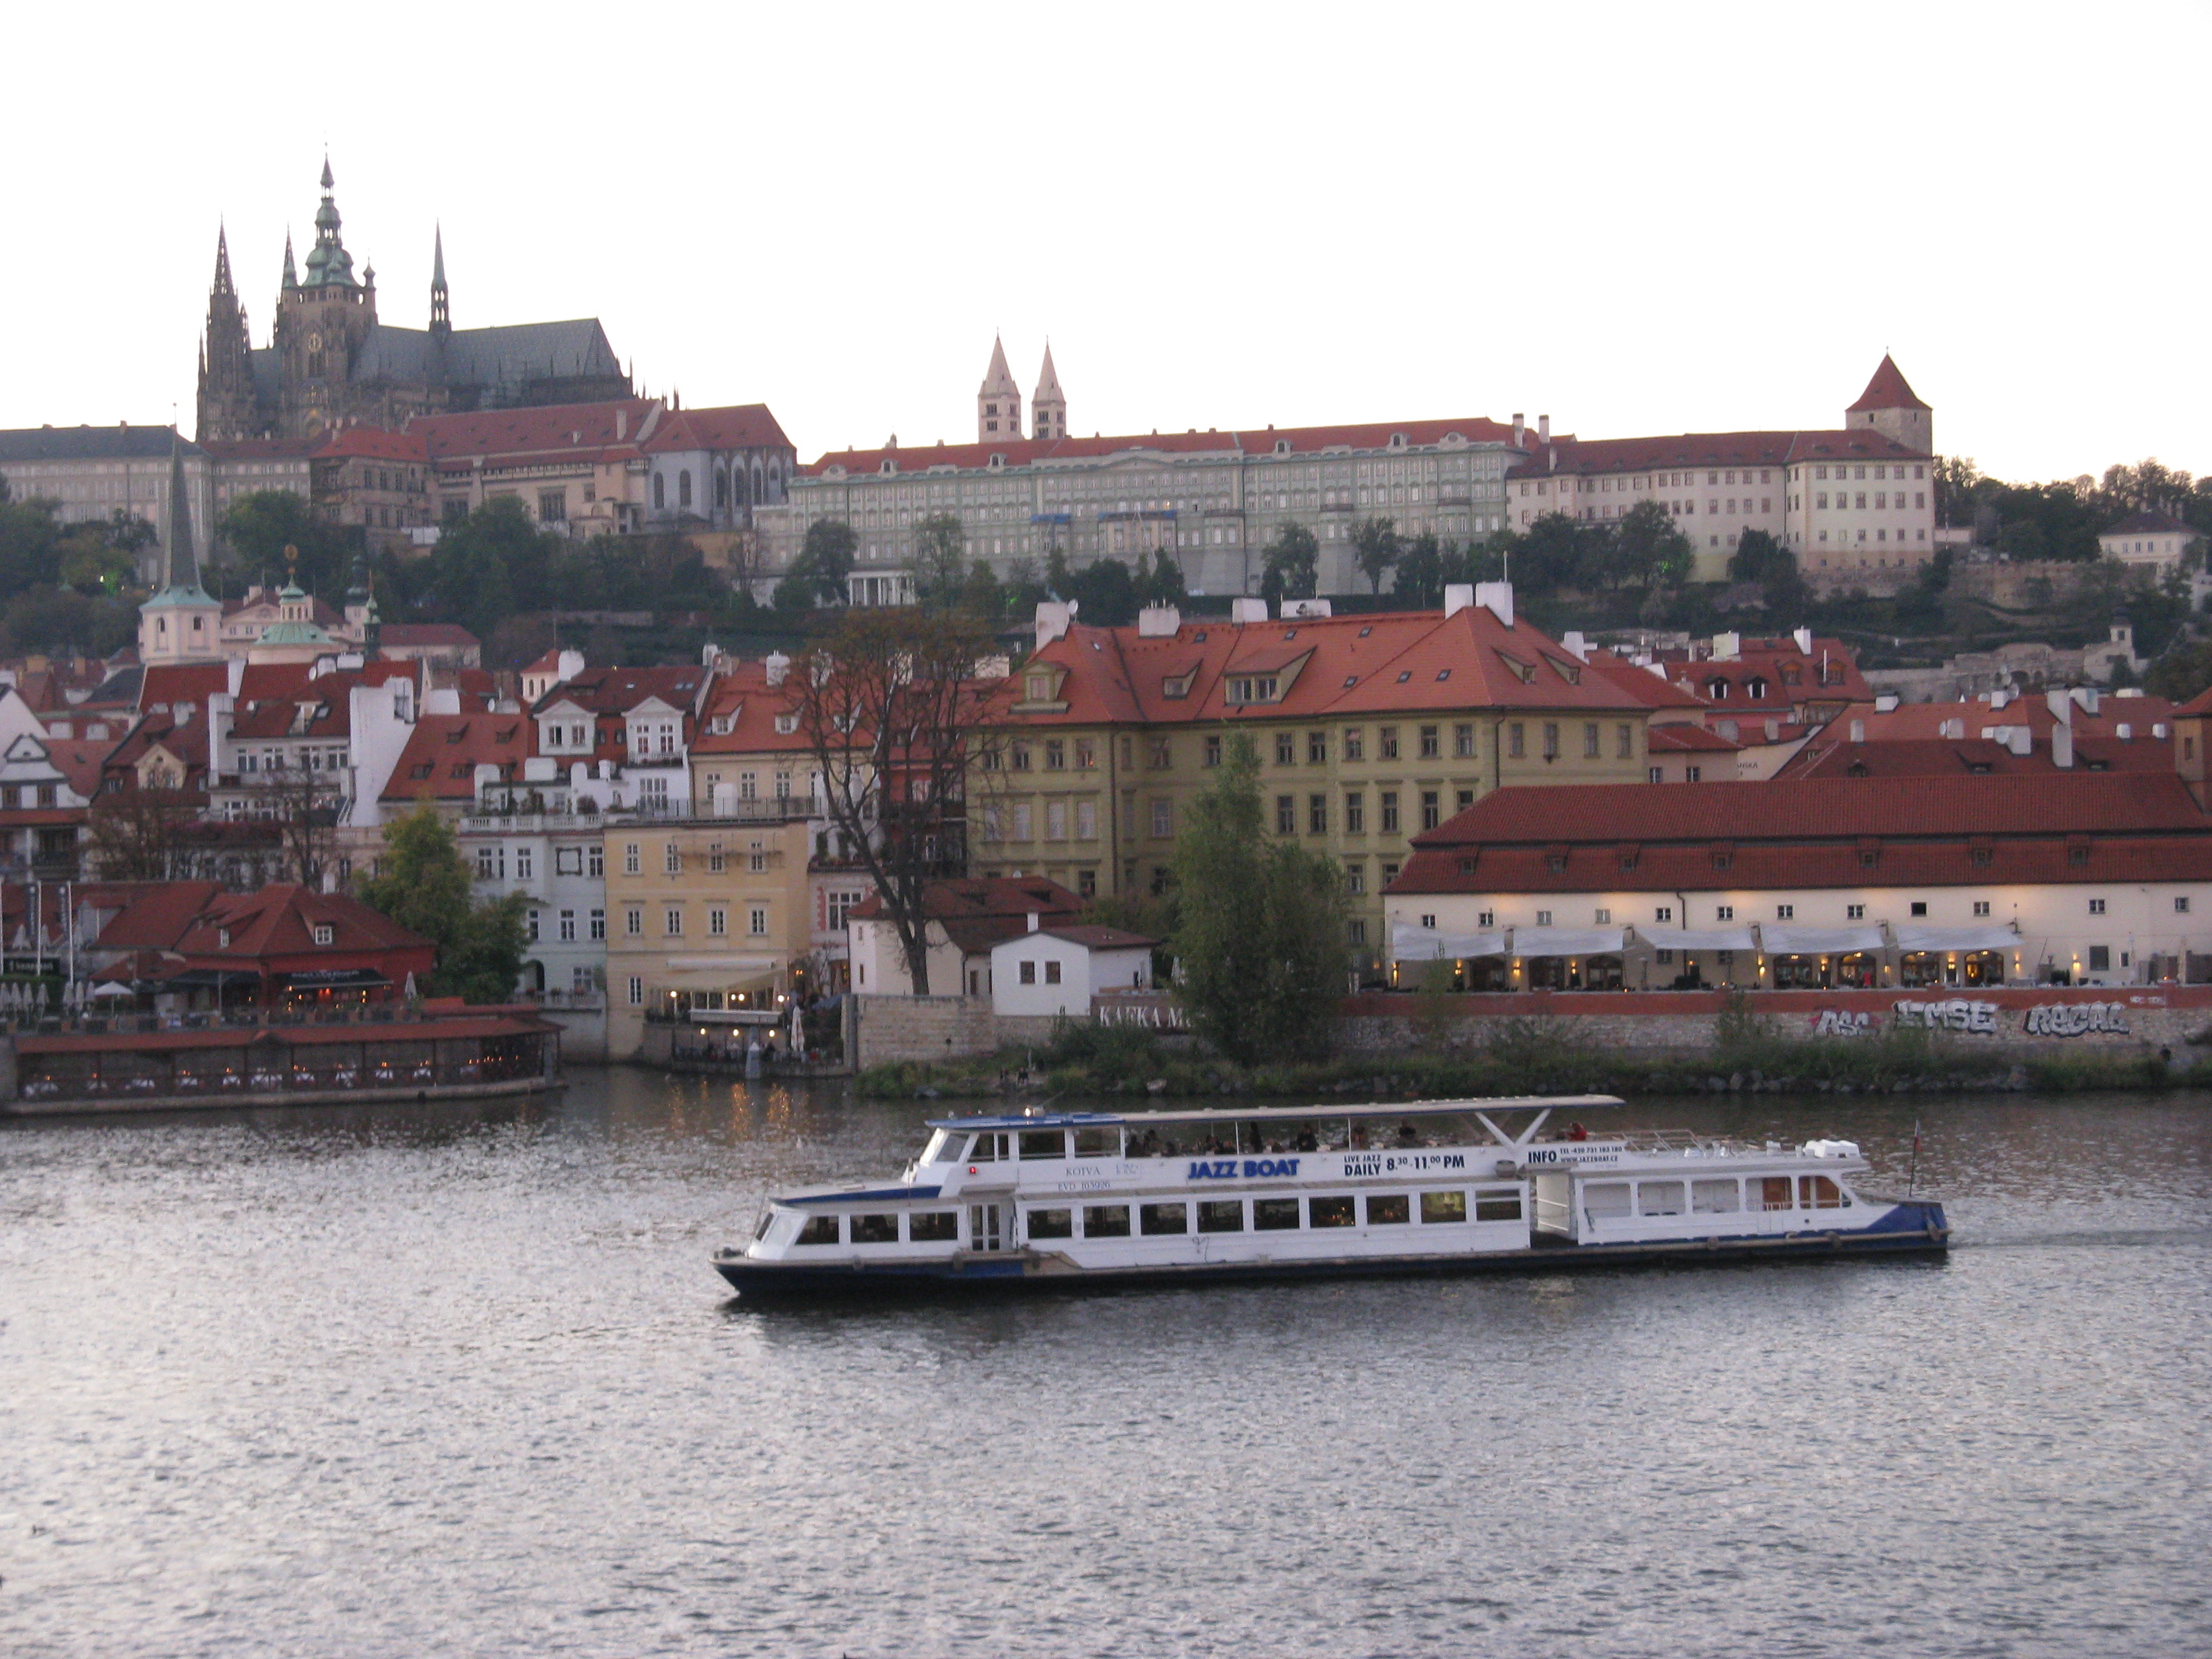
(259, 527)
(1376, 550)
(2181, 674)
(1420, 583)
(940, 560)
(1648, 548)
(1259, 936)
(1164, 583)
(1105, 592)
(140, 835)
(422, 884)
(300, 807)
(817, 575)
(483, 561)
(888, 705)
(1293, 566)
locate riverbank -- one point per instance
(1528, 1057)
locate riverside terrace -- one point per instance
(2098, 878)
(442, 1049)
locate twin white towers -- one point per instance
(999, 404)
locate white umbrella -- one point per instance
(111, 989)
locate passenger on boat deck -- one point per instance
(1359, 1137)
(1306, 1142)
(1407, 1136)
(1576, 1132)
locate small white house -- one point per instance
(2156, 542)
(1057, 970)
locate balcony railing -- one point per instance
(769, 809)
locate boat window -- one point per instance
(1437, 1207)
(1497, 1204)
(1390, 1209)
(1154, 1218)
(944, 1147)
(987, 1149)
(1099, 1143)
(1606, 1198)
(1332, 1211)
(1052, 1224)
(1221, 1215)
(1714, 1198)
(879, 1228)
(768, 1218)
(1659, 1198)
(1043, 1143)
(819, 1229)
(1774, 1192)
(1105, 1221)
(933, 1226)
(1271, 1215)
(1819, 1192)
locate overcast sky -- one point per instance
(1642, 219)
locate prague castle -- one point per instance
(330, 362)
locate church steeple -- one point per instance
(998, 402)
(442, 313)
(180, 622)
(183, 564)
(291, 273)
(226, 367)
(223, 283)
(329, 264)
(1048, 408)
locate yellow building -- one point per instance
(1370, 729)
(703, 913)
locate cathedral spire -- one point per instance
(329, 264)
(441, 313)
(1049, 407)
(222, 283)
(184, 565)
(999, 400)
(291, 274)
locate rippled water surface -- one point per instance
(440, 1381)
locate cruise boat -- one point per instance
(1046, 1200)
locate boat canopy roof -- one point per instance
(1037, 1119)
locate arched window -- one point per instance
(744, 491)
(684, 488)
(721, 487)
(659, 492)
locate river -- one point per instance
(413, 1380)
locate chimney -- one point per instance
(2061, 706)
(1520, 428)
(1727, 647)
(1497, 597)
(1457, 597)
(622, 424)
(1158, 622)
(1774, 731)
(1053, 618)
(2086, 696)
(1804, 638)
(1858, 731)
(1299, 610)
(2062, 745)
(1886, 701)
(1035, 921)
(2019, 739)
(1544, 428)
(1248, 611)
(1575, 645)
(777, 665)
(2126, 732)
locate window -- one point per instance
(1027, 973)
(1497, 1204)
(634, 920)
(1785, 912)
(595, 862)
(1157, 1219)
(324, 933)
(1624, 742)
(1105, 1221)
(1286, 749)
(1432, 811)
(568, 934)
(630, 858)
(717, 860)
(1390, 1209)
(2100, 959)
(1355, 877)
(1724, 913)
(1387, 743)
(1160, 754)
(1981, 907)
(1056, 755)
(636, 992)
(525, 864)
(1286, 815)
(1355, 744)
(1551, 740)
(1602, 917)
(1271, 1215)
(2096, 907)
(1221, 1215)
(1920, 906)
(599, 925)
(757, 921)
(1316, 815)
(1086, 820)
(1214, 751)
(1335, 1211)
(819, 1228)
(672, 923)
(671, 859)
(1316, 749)
(1052, 1224)
(933, 1226)
(1442, 1209)
(1589, 740)
(1389, 799)
(1855, 913)
(2180, 907)
(1163, 818)
(1543, 918)
(1432, 746)
(567, 860)
(1355, 813)
(717, 920)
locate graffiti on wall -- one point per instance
(1841, 1022)
(1956, 1014)
(2070, 1019)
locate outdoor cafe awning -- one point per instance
(1986, 937)
(333, 979)
(1434, 944)
(1565, 941)
(1821, 941)
(1684, 938)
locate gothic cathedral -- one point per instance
(331, 363)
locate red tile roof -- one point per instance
(2150, 524)
(164, 683)
(155, 916)
(1681, 736)
(420, 635)
(743, 699)
(970, 897)
(1577, 456)
(1886, 389)
(375, 443)
(582, 431)
(1385, 662)
(738, 426)
(1296, 440)
(444, 751)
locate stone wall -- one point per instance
(2017, 1018)
(882, 1029)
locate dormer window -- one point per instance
(324, 933)
(222, 939)
(1040, 687)
(1282, 445)
(786, 724)
(1253, 688)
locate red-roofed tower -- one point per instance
(1890, 407)
(999, 400)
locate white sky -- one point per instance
(1640, 219)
